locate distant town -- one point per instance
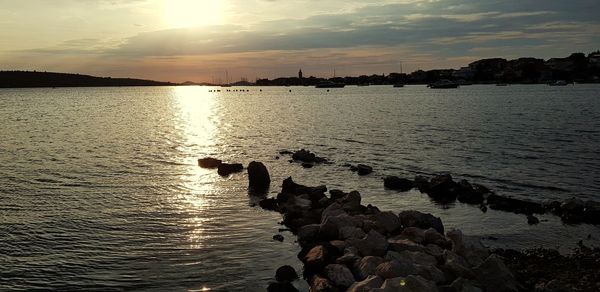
(578, 67)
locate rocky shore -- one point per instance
(347, 246)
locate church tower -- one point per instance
(300, 74)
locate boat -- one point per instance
(444, 83)
(329, 84)
(558, 83)
(397, 85)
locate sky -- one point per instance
(199, 40)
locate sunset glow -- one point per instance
(190, 13)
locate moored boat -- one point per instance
(444, 83)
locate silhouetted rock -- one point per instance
(396, 183)
(443, 189)
(497, 202)
(286, 274)
(307, 165)
(278, 237)
(268, 204)
(363, 169)
(209, 162)
(421, 220)
(468, 194)
(495, 276)
(307, 157)
(258, 177)
(281, 287)
(225, 169)
(531, 220)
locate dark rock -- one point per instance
(337, 194)
(268, 204)
(286, 152)
(281, 287)
(422, 183)
(209, 162)
(340, 275)
(286, 274)
(373, 244)
(467, 194)
(591, 213)
(278, 237)
(308, 233)
(497, 202)
(386, 222)
(225, 169)
(315, 193)
(353, 168)
(531, 220)
(394, 269)
(421, 220)
(364, 169)
(321, 284)
(316, 258)
(495, 276)
(371, 282)
(366, 266)
(396, 183)
(414, 234)
(483, 208)
(258, 177)
(307, 157)
(443, 189)
(307, 165)
(351, 202)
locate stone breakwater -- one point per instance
(346, 246)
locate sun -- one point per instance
(193, 13)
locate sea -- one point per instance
(100, 189)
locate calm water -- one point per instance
(99, 188)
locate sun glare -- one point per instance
(193, 13)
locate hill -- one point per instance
(28, 79)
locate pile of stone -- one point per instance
(346, 246)
(443, 189)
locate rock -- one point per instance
(366, 285)
(467, 193)
(393, 269)
(351, 232)
(340, 245)
(278, 237)
(304, 155)
(387, 222)
(315, 193)
(417, 257)
(464, 285)
(225, 169)
(443, 189)
(572, 210)
(308, 233)
(320, 284)
(374, 244)
(348, 259)
(307, 165)
(470, 248)
(209, 162)
(351, 202)
(531, 220)
(286, 152)
(366, 266)
(335, 209)
(341, 226)
(404, 244)
(495, 276)
(431, 273)
(286, 274)
(268, 204)
(432, 236)
(337, 194)
(258, 177)
(281, 287)
(591, 212)
(497, 202)
(408, 284)
(421, 220)
(413, 234)
(363, 169)
(422, 183)
(396, 183)
(455, 267)
(340, 275)
(316, 258)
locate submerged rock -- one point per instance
(209, 162)
(363, 169)
(225, 169)
(396, 183)
(286, 274)
(258, 177)
(497, 202)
